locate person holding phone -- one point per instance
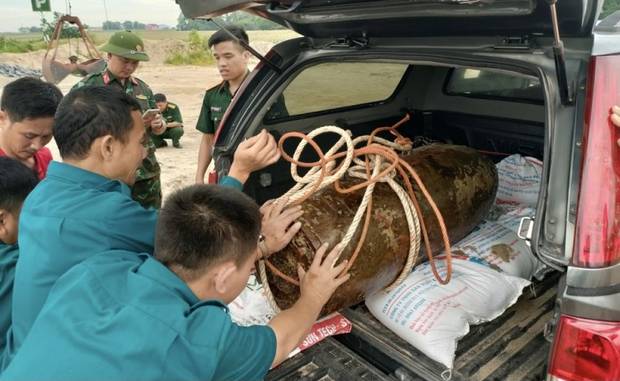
(174, 122)
(125, 52)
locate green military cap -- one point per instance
(126, 44)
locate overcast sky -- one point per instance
(17, 13)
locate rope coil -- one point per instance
(377, 161)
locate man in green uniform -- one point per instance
(174, 122)
(232, 63)
(125, 51)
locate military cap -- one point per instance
(126, 44)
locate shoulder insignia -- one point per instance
(172, 105)
(141, 96)
(106, 77)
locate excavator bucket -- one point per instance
(55, 70)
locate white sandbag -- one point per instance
(251, 307)
(519, 180)
(500, 248)
(509, 215)
(433, 317)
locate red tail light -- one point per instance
(597, 241)
(586, 350)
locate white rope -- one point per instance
(306, 183)
(354, 167)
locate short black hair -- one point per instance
(16, 182)
(88, 113)
(222, 36)
(30, 98)
(159, 97)
(202, 225)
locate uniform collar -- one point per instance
(225, 85)
(83, 177)
(108, 77)
(156, 271)
(5, 247)
(8, 254)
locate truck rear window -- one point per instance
(336, 85)
(493, 84)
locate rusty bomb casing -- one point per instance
(462, 183)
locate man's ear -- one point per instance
(223, 274)
(107, 147)
(4, 232)
(4, 118)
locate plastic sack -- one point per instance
(433, 317)
(251, 307)
(500, 248)
(510, 216)
(519, 180)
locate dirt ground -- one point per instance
(183, 85)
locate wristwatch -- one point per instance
(262, 246)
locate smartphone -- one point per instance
(150, 113)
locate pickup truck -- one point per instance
(507, 76)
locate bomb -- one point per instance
(461, 181)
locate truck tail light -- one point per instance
(586, 350)
(597, 242)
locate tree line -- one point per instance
(126, 25)
(243, 19)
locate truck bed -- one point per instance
(511, 347)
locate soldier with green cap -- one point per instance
(125, 51)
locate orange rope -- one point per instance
(396, 163)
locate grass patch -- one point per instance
(197, 53)
(11, 45)
(189, 58)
